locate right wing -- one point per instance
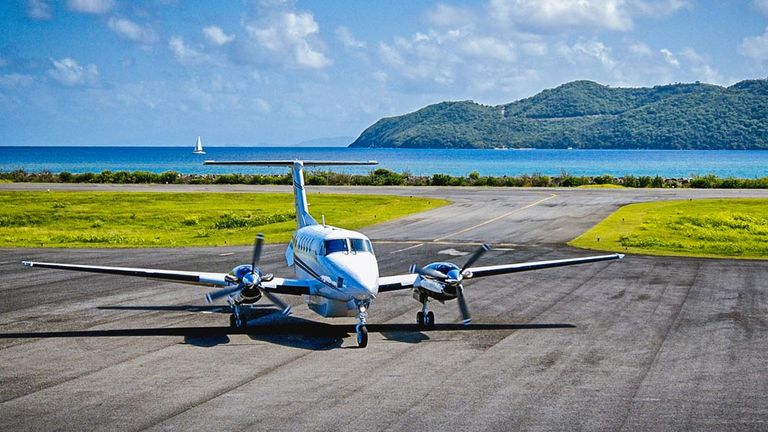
(405, 281)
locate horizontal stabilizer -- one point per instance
(291, 162)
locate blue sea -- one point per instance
(666, 163)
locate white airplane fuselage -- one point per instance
(341, 262)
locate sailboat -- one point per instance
(199, 146)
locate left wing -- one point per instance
(404, 281)
(276, 285)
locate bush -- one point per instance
(441, 180)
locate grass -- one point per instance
(601, 186)
(717, 228)
(129, 219)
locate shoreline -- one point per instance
(385, 177)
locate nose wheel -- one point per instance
(425, 318)
(362, 336)
(360, 328)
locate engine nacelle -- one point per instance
(249, 295)
(436, 288)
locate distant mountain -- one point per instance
(585, 114)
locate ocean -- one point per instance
(665, 163)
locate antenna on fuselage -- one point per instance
(323, 218)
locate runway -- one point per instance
(647, 343)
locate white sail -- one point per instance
(199, 146)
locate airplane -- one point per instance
(336, 269)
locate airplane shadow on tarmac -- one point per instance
(268, 325)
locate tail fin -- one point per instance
(303, 218)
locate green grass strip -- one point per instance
(133, 219)
(716, 228)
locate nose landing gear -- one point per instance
(360, 328)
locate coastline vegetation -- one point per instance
(716, 228)
(385, 177)
(585, 114)
(161, 219)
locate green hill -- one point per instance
(585, 114)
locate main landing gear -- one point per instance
(425, 318)
(236, 318)
(360, 328)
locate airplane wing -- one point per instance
(276, 285)
(404, 281)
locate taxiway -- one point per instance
(647, 343)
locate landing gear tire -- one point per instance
(362, 337)
(425, 321)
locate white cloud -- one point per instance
(215, 35)
(93, 7)
(451, 16)
(669, 57)
(534, 48)
(562, 14)
(68, 72)
(640, 49)
(762, 5)
(699, 67)
(656, 8)
(489, 47)
(558, 16)
(588, 50)
(39, 10)
(261, 106)
(132, 31)
(345, 36)
(390, 55)
(755, 47)
(185, 54)
(15, 80)
(290, 37)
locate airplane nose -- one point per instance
(362, 290)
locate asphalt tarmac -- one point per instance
(646, 343)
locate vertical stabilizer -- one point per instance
(303, 218)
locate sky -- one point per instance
(278, 72)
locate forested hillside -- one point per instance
(585, 114)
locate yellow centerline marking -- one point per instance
(496, 218)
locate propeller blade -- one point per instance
(277, 302)
(211, 296)
(466, 319)
(425, 271)
(257, 251)
(476, 255)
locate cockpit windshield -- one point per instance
(361, 245)
(348, 245)
(337, 245)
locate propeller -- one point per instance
(425, 271)
(466, 319)
(476, 256)
(251, 279)
(454, 280)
